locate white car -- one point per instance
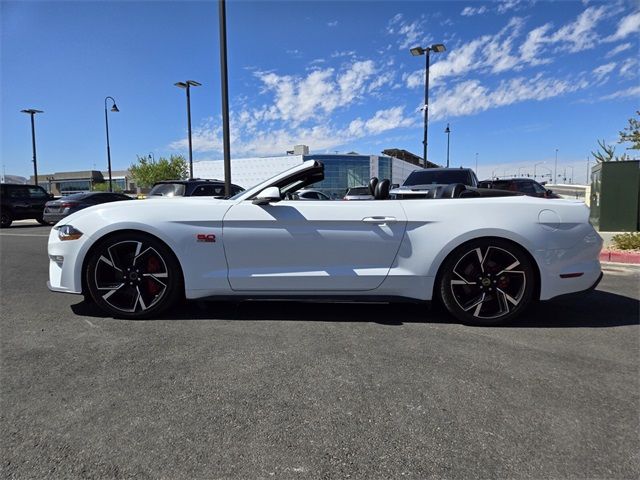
(487, 259)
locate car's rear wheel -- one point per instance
(133, 275)
(487, 282)
(5, 219)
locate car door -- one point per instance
(36, 198)
(312, 245)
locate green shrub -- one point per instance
(627, 241)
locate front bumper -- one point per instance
(63, 257)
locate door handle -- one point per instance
(380, 220)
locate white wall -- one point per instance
(400, 170)
(246, 172)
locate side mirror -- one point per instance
(268, 195)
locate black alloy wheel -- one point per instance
(5, 220)
(487, 282)
(132, 275)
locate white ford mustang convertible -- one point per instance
(485, 257)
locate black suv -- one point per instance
(21, 202)
(194, 187)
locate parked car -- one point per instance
(430, 182)
(21, 202)
(487, 259)
(56, 210)
(526, 186)
(359, 193)
(194, 187)
(309, 194)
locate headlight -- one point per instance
(67, 232)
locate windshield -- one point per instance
(359, 191)
(443, 177)
(168, 190)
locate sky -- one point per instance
(519, 80)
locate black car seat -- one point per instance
(453, 190)
(382, 189)
(466, 193)
(372, 185)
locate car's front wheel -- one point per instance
(133, 275)
(487, 282)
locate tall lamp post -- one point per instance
(114, 108)
(32, 112)
(476, 164)
(448, 132)
(534, 169)
(187, 86)
(555, 168)
(416, 52)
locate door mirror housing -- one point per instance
(268, 195)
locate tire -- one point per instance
(487, 282)
(5, 220)
(133, 275)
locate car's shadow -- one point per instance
(24, 226)
(592, 310)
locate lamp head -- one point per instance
(417, 51)
(438, 47)
(447, 130)
(31, 111)
(180, 84)
(115, 108)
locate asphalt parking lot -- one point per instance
(313, 390)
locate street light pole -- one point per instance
(32, 112)
(187, 86)
(555, 168)
(417, 51)
(448, 132)
(114, 108)
(534, 169)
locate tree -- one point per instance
(147, 171)
(104, 187)
(631, 133)
(605, 153)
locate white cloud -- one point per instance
(333, 23)
(629, 92)
(531, 48)
(382, 121)
(470, 97)
(471, 11)
(604, 70)
(580, 34)
(505, 5)
(319, 93)
(620, 48)
(629, 68)
(408, 34)
(628, 25)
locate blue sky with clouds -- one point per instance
(519, 79)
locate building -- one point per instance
(341, 171)
(67, 183)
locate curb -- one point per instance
(616, 256)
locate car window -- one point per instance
(526, 187)
(312, 195)
(539, 188)
(167, 190)
(428, 177)
(37, 192)
(208, 191)
(18, 192)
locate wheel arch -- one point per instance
(536, 268)
(114, 233)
